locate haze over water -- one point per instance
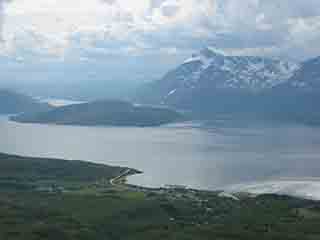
(197, 155)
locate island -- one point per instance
(104, 112)
(58, 199)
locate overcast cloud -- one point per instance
(86, 29)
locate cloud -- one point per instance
(1, 16)
(2, 6)
(287, 28)
(110, 2)
(170, 10)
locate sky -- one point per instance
(155, 34)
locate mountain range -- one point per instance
(13, 103)
(208, 85)
(211, 83)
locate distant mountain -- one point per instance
(13, 103)
(209, 72)
(108, 112)
(210, 83)
(307, 77)
(299, 96)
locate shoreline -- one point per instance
(292, 187)
(303, 188)
(122, 178)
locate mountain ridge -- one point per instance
(14, 103)
(211, 82)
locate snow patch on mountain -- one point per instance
(172, 92)
(205, 61)
(244, 72)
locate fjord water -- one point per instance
(206, 156)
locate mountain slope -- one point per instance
(116, 113)
(211, 83)
(299, 96)
(209, 72)
(307, 77)
(13, 103)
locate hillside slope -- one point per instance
(108, 112)
(13, 103)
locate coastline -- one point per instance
(303, 188)
(122, 178)
(307, 188)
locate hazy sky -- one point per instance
(163, 30)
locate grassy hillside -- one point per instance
(88, 207)
(116, 113)
(30, 170)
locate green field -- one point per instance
(55, 199)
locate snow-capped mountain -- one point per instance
(247, 72)
(214, 70)
(307, 76)
(211, 82)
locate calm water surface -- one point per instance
(201, 156)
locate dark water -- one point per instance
(199, 156)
